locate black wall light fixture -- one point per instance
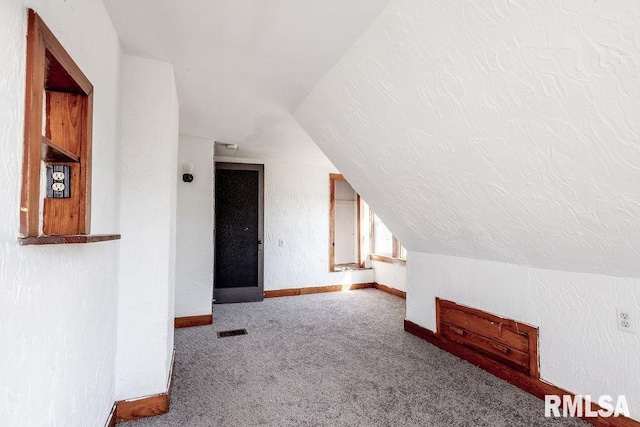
(187, 172)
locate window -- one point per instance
(384, 246)
(56, 172)
(382, 241)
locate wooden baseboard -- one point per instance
(127, 410)
(332, 288)
(392, 291)
(111, 422)
(189, 321)
(150, 406)
(534, 386)
(315, 290)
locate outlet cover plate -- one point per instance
(58, 181)
(626, 320)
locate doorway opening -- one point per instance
(239, 233)
(357, 235)
(346, 216)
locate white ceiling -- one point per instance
(243, 66)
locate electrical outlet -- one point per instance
(58, 186)
(625, 320)
(58, 176)
(58, 181)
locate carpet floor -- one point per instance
(333, 359)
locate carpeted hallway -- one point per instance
(334, 359)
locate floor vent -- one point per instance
(232, 333)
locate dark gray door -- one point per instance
(239, 212)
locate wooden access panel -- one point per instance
(507, 341)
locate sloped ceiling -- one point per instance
(500, 130)
(243, 66)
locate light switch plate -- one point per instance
(58, 181)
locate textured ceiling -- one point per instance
(501, 130)
(243, 66)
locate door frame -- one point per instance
(246, 294)
(333, 178)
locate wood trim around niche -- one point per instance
(50, 70)
(67, 240)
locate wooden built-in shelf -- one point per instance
(52, 152)
(58, 132)
(66, 240)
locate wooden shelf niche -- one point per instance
(58, 130)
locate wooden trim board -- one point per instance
(67, 240)
(127, 410)
(534, 386)
(359, 230)
(389, 290)
(333, 288)
(388, 259)
(189, 321)
(52, 76)
(111, 421)
(333, 179)
(315, 290)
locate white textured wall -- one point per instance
(296, 202)
(581, 349)
(394, 276)
(509, 130)
(58, 304)
(148, 216)
(194, 261)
